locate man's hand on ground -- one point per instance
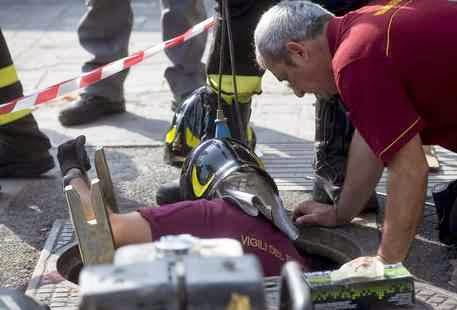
(314, 213)
(72, 154)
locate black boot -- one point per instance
(89, 109)
(193, 122)
(445, 198)
(333, 138)
(169, 193)
(24, 149)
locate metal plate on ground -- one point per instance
(49, 287)
(290, 165)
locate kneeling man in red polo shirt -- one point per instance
(229, 174)
(394, 64)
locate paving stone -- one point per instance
(437, 300)
(448, 306)
(424, 294)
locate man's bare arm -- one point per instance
(362, 175)
(127, 228)
(363, 172)
(405, 203)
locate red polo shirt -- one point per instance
(219, 219)
(395, 65)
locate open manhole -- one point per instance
(324, 249)
(69, 263)
(54, 281)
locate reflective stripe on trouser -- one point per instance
(104, 32)
(10, 86)
(187, 72)
(247, 86)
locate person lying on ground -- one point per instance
(215, 218)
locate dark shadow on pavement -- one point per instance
(153, 129)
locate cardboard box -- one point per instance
(394, 288)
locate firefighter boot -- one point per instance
(24, 149)
(193, 122)
(89, 109)
(168, 193)
(333, 138)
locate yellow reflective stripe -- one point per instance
(389, 27)
(399, 137)
(198, 188)
(11, 117)
(250, 133)
(191, 140)
(239, 302)
(247, 86)
(8, 76)
(171, 135)
(389, 6)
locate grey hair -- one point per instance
(289, 20)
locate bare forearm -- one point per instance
(128, 228)
(363, 172)
(406, 194)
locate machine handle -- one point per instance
(294, 294)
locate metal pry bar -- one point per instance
(95, 238)
(103, 173)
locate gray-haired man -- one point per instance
(394, 66)
(104, 32)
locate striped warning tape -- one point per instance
(45, 95)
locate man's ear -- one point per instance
(297, 50)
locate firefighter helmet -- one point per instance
(213, 161)
(228, 169)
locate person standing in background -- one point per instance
(104, 32)
(24, 149)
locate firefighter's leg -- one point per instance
(180, 137)
(244, 16)
(104, 32)
(189, 127)
(187, 72)
(23, 147)
(332, 141)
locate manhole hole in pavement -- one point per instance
(69, 264)
(60, 291)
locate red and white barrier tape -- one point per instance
(57, 90)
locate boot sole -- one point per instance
(27, 170)
(68, 120)
(174, 161)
